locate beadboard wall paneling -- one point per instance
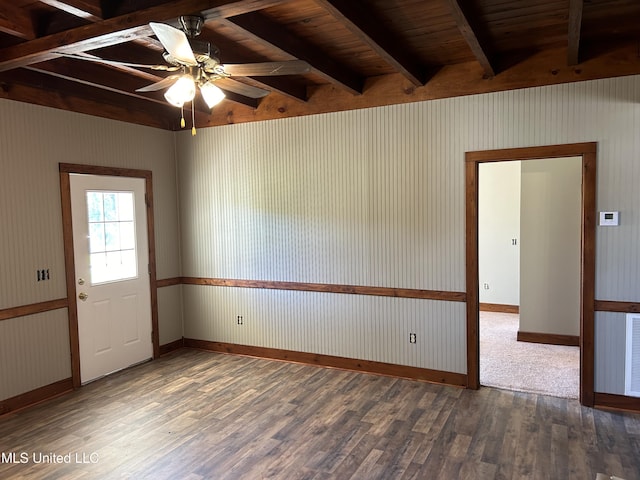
(337, 207)
(353, 326)
(31, 232)
(33, 141)
(34, 352)
(376, 196)
(170, 314)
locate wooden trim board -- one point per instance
(33, 397)
(169, 282)
(610, 401)
(172, 346)
(614, 306)
(549, 338)
(587, 255)
(366, 366)
(33, 308)
(330, 288)
(499, 308)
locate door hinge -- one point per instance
(146, 200)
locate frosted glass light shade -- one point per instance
(211, 94)
(182, 91)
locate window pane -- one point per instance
(98, 267)
(125, 206)
(96, 237)
(129, 263)
(112, 236)
(127, 236)
(110, 206)
(94, 206)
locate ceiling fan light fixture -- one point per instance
(212, 94)
(182, 91)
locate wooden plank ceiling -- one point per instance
(362, 53)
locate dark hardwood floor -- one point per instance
(200, 415)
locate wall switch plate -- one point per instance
(609, 219)
(43, 274)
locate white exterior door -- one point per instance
(111, 266)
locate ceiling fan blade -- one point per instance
(267, 69)
(175, 42)
(241, 88)
(165, 82)
(91, 58)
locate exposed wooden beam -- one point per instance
(15, 21)
(240, 100)
(470, 35)
(285, 86)
(369, 29)
(89, 10)
(573, 34)
(93, 75)
(234, 53)
(31, 87)
(268, 33)
(120, 29)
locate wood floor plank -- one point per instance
(200, 415)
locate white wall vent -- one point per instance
(632, 361)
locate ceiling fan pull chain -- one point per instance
(193, 119)
(182, 122)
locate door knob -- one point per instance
(83, 296)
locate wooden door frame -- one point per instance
(588, 153)
(65, 170)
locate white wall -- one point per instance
(34, 350)
(498, 225)
(376, 197)
(551, 233)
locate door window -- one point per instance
(112, 236)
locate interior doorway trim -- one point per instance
(588, 153)
(65, 170)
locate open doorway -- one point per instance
(587, 152)
(529, 275)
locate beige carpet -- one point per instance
(527, 367)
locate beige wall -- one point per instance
(550, 229)
(376, 197)
(370, 197)
(34, 350)
(498, 225)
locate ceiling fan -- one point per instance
(197, 66)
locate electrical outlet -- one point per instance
(486, 286)
(240, 320)
(412, 338)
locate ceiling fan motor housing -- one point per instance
(191, 25)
